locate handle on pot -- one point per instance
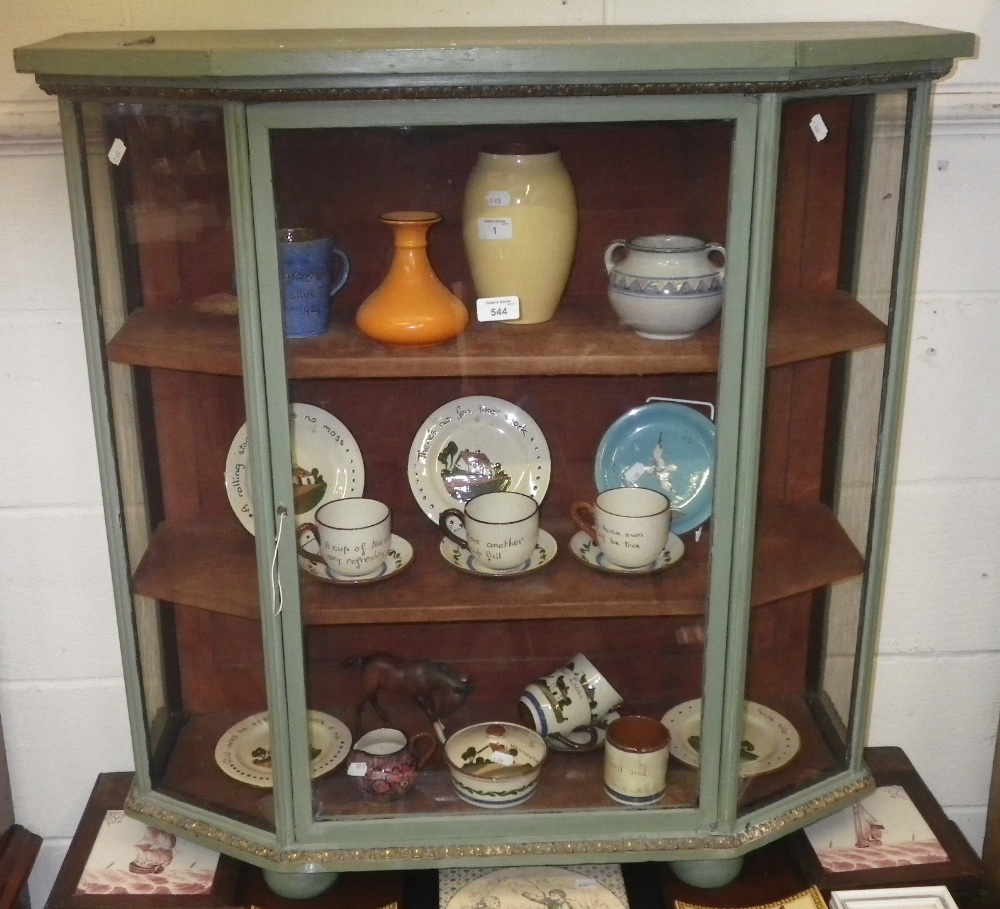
(609, 260)
(721, 250)
(423, 745)
(447, 531)
(345, 269)
(582, 514)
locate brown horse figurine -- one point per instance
(437, 688)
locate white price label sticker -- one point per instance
(633, 474)
(498, 309)
(818, 126)
(116, 152)
(501, 757)
(357, 768)
(499, 198)
(495, 228)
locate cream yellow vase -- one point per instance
(519, 225)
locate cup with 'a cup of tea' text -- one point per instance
(499, 529)
(354, 535)
(630, 524)
(636, 751)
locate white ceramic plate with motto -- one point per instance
(244, 751)
(769, 741)
(474, 445)
(328, 465)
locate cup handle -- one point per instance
(447, 531)
(582, 514)
(572, 745)
(609, 254)
(345, 270)
(300, 532)
(424, 746)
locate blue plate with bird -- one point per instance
(666, 446)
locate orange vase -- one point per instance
(411, 306)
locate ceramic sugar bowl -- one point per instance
(665, 286)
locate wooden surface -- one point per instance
(738, 49)
(585, 337)
(569, 781)
(962, 872)
(18, 849)
(109, 793)
(991, 845)
(211, 565)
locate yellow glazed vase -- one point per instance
(411, 306)
(519, 225)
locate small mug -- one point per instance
(571, 706)
(306, 262)
(500, 528)
(385, 762)
(630, 524)
(354, 535)
(636, 751)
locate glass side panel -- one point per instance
(838, 208)
(449, 618)
(162, 241)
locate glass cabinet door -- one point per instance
(839, 208)
(157, 190)
(429, 640)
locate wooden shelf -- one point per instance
(211, 566)
(569, 781)
(584, 338)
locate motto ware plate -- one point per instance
(244, 751)
(474, 445)
(769, 741)
(327, 465)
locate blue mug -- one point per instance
(309, 279)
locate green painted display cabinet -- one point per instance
(784, 163)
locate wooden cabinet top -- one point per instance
(709, 55)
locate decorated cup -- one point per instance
(636, 751)
(354, 535)
(499, 529)
(572, 706)
(630, 524)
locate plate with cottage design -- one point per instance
(666, 446)
(474, 445)
(327, 465)
(244, 751)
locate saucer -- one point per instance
(399, 557)
(545, 552)
(588, 552)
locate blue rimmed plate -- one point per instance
(665, 446)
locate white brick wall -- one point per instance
(938, 676)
